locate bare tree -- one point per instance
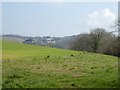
(82, 42)
(96, 35)
(98, 41)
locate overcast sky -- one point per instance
(56, 18)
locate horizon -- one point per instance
(37, 36)
(57, 19)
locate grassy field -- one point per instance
(28, 66)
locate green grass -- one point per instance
(15, 50)
(28, 66)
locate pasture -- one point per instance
(29, 66)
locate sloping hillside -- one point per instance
(29, 66)
(14, 50)
(15, 39)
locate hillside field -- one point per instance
(29, 66)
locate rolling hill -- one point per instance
(29, 66)
(58, 42)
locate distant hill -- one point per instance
(15, 39)
(58, 42)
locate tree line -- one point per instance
(98, 41)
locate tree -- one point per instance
(106, 45)
(96, 35)
(116, 30)
(82, 42)
(98, 41)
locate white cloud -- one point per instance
(103, 18)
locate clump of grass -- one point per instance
(84, 52)
(59, 57)
(15, 76)
(93, 67)
(7, 83)
(72, 55)
(48, 56)
(34, 58)
(72, 84)
(92, 72)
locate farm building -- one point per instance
(28, 41)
